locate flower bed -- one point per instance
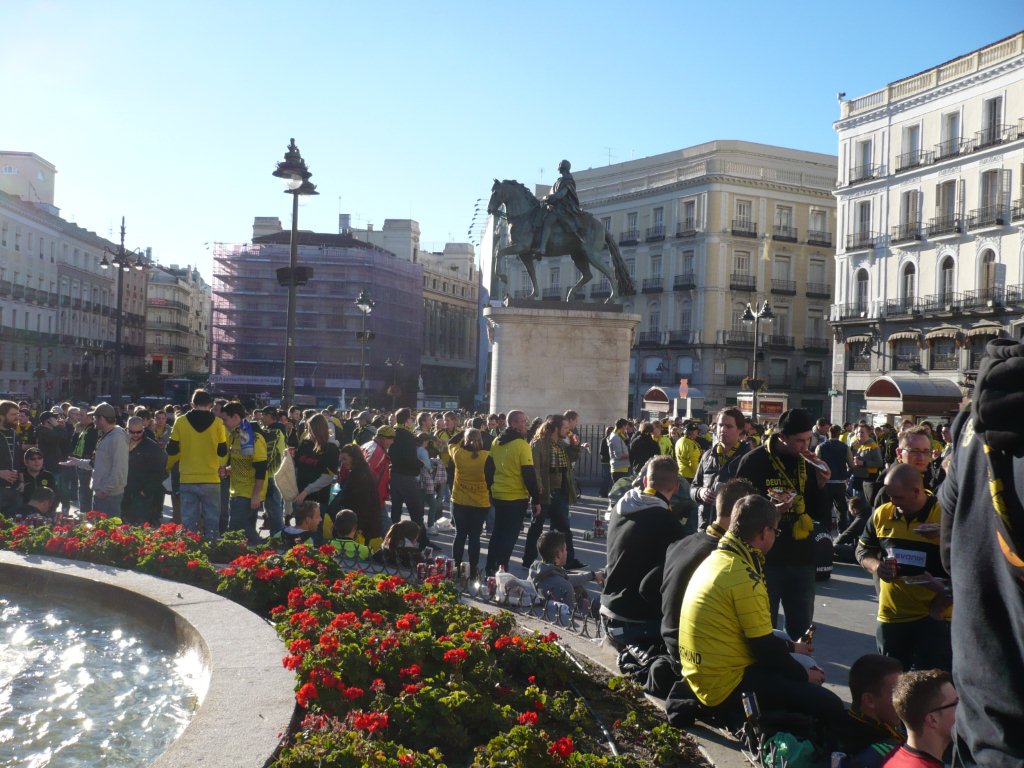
(392, 673)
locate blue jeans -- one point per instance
(274, 505)
(200, 503)
(242, 517)
(793, 587)
(110, 506)
(225, 499)
(508, 522)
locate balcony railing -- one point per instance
(944, 225)
(652, 285)
(819, 290)
(948, 361)
(5, 287)
(744, 228)
(781, 341)
(19, 291)
(601, 290)
(974, 359)
(861, 173)
(741, 281)
(816, 344)
(686, 228)
(948, 148)
(739, 336)
(553, 294)
(995, 134)
(848, 311)
(657, 232)
(76, 303)
(819, 237)
(785, 233)
(684, 281)
(905, 306)
(988, 216)
(940, 302)
(682, 336)
(1017, 210)
(858, 363)
(993, 296)
(905, 362)
(629, 237)
(649, 338)
(913, 159)
(784, 287)
(861, 240)
(651, 378)
(907, 232)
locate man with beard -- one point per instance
(11, 460)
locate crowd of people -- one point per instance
(714, 530)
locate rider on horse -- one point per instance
(563, 205)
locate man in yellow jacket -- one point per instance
(688, 452)
(199, 446)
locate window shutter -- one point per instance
(1004, 191)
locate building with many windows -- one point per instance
(58, 305)
(451, 309)
(178, 306)
(704, 231)
(930, 260)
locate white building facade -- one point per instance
(930, 259)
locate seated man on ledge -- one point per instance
(726, 643)
(871, 730)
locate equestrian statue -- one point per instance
(553, 227)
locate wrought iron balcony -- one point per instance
(5, 287)
(652, 285)
(948, 361)
(781, 341)
(629, 237)
(905, 362)
(819, 291)
(861, 173)
(850, 311)
(19, 291)
(913, 159)
(657, 232)
(816, 344)
(906, 232)
(940, 302)
(1017, 210)
(741, 281)
(906, 306)
(948, 148)
(819, 237)
(649, 338)
(862, 240)
(682, 336)
(988, 216)
(744, 228)
(995, 134)
(740, 336)
(993, 296)
(601, 290)
(684, 281)
(784, 233)
(556, 293)
(944, 225)
(784, 287)
(76, 303)
(858, 363)
(686, 228)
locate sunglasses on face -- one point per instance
(136, 431)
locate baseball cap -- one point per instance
(385, 431)
(106, 410)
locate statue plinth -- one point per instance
(548, 357)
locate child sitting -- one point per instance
(846, 542)
(401, 544)
(345, 531)
(553, 581)
(306, 528)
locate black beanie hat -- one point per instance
(796, 420)
(998, 401)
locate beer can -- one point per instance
(449, 568)
(751, 708)
(492, 585)
(464, 571)
(439, 562)
(838, 760)
(421, 571)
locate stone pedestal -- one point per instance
(548, 357)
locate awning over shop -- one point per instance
(985, 329)
(657, 395)
(860, 338)
(919, 396)
(912, 334)
(945, 332)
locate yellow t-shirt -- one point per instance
(243, 474)
(509, 459)
(199, 455)
(470, 488)
(726, 603)
(687, 457)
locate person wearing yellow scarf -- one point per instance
(781, 470)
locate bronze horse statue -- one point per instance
(525, 215)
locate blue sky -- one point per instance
(173, 114)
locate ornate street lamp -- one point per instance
(124, 261)
(365, 305)
(751, 316)
(296, 179)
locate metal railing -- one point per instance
(913, 159)
(744, 228)
(739, 336)
(784, 232)
(684, 281)
(819, 290)
(991, 296)
(858, 363)
(649, 338)
(781, 341)
(847, 311)
(784, 287)
(944, 225)
(948, 361)
(987, 216)
(629, 237)
(741, 281)
(819, 237)
(861, 240)
(816, 344)
(905, 306)
(906, 232)
(657, 232)
(652, 285)
(553, 293)
(681, 336)
(905, 362)
(948, 148)
(601, 290)
(1017, 210)
(867, 172)
(686, 228)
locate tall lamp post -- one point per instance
(296, 178)
(124, 261)
(394, 365)
(751, 316)
(365, 305)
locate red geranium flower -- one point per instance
(527, 718)
(306, 693)
(562, 748)
(455, 656)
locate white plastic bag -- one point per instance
(285, 480)
(509, 589)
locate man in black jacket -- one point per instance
(719, 463)
(780, 470)
(11, 460)
(405, 472)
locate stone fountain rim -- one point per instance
(249, 703)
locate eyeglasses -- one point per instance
(136, 431)
(944, 706)
(916, 453)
